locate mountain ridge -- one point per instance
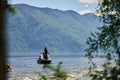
(33, 28)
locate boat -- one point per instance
(42, 60)
(44, 57)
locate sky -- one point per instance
(80, 6)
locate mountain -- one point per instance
(33, 28)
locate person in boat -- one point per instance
(45, 53)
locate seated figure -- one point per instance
(45, 53)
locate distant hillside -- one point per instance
(33, 28)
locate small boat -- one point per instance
(42, 60)
(44, 57)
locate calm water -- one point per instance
(25, 66)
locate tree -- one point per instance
(2, 40)
(3, 7)
(58, 72)
(107, 40)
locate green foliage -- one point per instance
(107, 40)
(108, 73)
(43, 77)
(11, 9)
(8, 7)
(58, 74)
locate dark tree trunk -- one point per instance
(2, 40)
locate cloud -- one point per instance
(86, 6)
(85, 12)
(88, 1)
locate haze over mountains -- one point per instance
(32, 28)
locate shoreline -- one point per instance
(83, 74)
(80, 75)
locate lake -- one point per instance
(27, 65)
